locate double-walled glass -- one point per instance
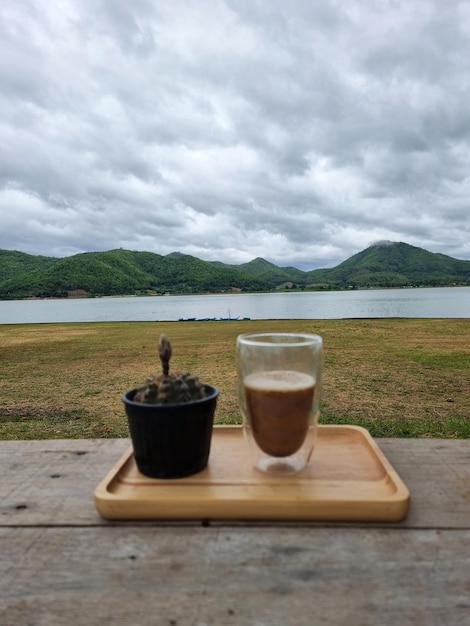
(279, 387)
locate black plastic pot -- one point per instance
(171, 440)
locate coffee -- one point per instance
(279, 405)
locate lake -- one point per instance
(450, 302)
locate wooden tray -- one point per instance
(347, 479)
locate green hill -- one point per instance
(14, 263)
(272, 274)
(392, 264)
(116, 272)
(119, 272)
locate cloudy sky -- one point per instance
(300, 131)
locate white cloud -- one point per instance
(297, 132)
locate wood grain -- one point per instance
(52, 482)
(267, 576)
(62, 564)
(348, 479)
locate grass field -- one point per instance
(396, 377)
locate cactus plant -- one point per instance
(166, 388)
(170, 421)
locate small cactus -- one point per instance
(169, 388)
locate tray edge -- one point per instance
(106, 502)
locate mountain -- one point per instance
(116, 272)
(395, 264)
(119, 272)
(272, 274)
(13, 263)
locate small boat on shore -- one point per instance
(213, 319)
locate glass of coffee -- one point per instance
(279, 388)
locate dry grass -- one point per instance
(397, 377)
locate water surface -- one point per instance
(450, 302)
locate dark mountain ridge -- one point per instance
(119, 272)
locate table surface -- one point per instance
(61, 563)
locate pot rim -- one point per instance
(213, 393)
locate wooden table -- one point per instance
(62, 564)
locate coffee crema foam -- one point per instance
(279, 380)
(279, 404)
